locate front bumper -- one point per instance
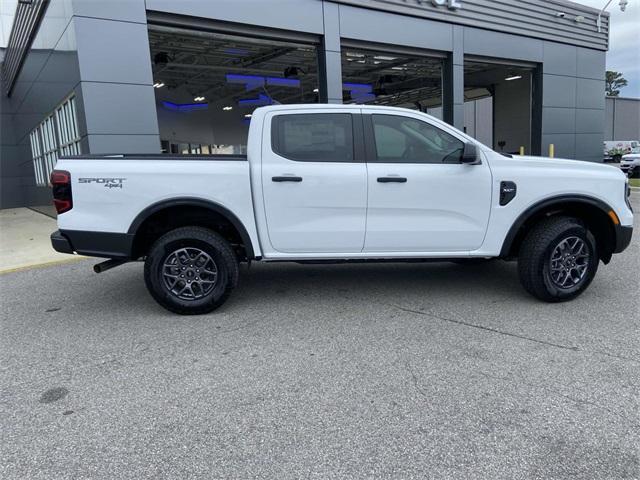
(623, 237)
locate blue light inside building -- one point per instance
(251, 82)
(360, 92)
(260, 101)
(283, 82)
(185, 107)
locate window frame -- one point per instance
(357, 136)
(370, 138)
(57, 135)
(67, 123)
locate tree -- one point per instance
(615, 81)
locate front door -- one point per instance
(315, 189)
(421, 198)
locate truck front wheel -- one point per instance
(558, 259)
(191, 270)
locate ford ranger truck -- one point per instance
(340, 183)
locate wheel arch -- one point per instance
(593, 212)
(190, 206)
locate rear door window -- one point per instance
(313, 137)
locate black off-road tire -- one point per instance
(534, 260)
(194, 239)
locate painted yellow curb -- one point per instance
(41, 265)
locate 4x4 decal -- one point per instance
(107, 182)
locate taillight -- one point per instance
(61, 183)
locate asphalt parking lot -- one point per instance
(352, 371)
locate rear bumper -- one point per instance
(60, 243)
(623, 238)
(93, 244)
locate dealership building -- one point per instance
(183, 77)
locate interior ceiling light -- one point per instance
(248, 115)
(514, 77)
(315, 90)
(384, 57)
(158, 85)
(227, 108)
(198, 99)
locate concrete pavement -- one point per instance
(24, 240)
(349, 371)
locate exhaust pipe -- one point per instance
(108, 265)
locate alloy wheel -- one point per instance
(189, 273)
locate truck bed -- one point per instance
(156, 157)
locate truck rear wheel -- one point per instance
(558, 259)
(191, 270)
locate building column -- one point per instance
(116, 97)
(453, 82)
(329, 56)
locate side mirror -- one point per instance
(470, 154)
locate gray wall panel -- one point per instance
(11, 193)
(374, 26)
(590, 93)
(533, 18)
(296, 15)
(565, 144)
(558, 91)
(558, 120)
(608, 119)
(458, 116)
(113, 51)
(13, 165)
(331, 19)
(589, 146)
(330, 56)
(37, 195)
(591, 63)
(125, 10)
(589, 121)
(112, 108)
(502, 45)
(559, 59)
(124, 143)
(334, 77)
(626, 117)
(7, 132)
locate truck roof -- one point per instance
(333, 106)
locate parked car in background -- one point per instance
(615, 150)
(630, 163)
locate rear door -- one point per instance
(314, 181)
(421, 198)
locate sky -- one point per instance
(624, 42)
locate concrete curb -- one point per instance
(53, 263)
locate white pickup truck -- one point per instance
(339, 183)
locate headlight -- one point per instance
(627, 194)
